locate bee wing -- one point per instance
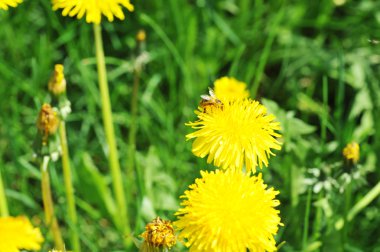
(211, 92)
(206, 97)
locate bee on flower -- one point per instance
(210, 102)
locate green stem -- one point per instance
(73, 220)
(123, 223)
(360, 205)
(50, 219)
(133, 125)
(318, 219)
(3, 200)
(306, 221)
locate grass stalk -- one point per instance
(133, 125)
(306, 220)
(3, 200)
(117, 182)
(72, 213)
(50, 218)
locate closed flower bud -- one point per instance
(141, 36)
(57, 82)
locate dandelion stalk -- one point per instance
(50, 218)
(69, 188)
(133, 125)
(360, 205)
(3, 200)
(110, 134)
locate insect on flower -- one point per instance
(210, 101)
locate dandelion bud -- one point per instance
(141, 36)
(352, 152)
(47, 122)
(158, 234)
(57, 82)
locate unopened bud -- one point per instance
(352, 152)
(141, 36)
(57, 82)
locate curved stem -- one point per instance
(117, 182)
(50, 218)
(69, 188)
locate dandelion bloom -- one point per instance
(229, 89)
(57, 82)
(238, 133)
(159, 234)
(17, 233)
(229, 211)
(352, 152)
(93, 9)
(4, 4)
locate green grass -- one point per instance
(313, 64)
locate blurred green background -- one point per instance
(314, 64)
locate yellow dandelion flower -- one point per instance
(4, 4)
(236, 134)
(228, 211)
(159, 234)
(17, 233)
(57, 82)
(93, 9)
(352, 152)
(229, 89)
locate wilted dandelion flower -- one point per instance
(93, 9)
(57, 82)
(17, 233)
(159, 234)
(240, 132)
(352, 152)
(229, 211)
(5, 4)
(229, 89)
(47, 122)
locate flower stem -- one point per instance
(360, 205)
(50, 218)
(306, 220)
(123, 223)
(3, 200)
(69, 188)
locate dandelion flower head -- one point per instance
(17, 233)
(159, 233)
(229, 89)
(5, 4)
(93, 9)
(352, 152)
(238, 133)
(228, 211)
